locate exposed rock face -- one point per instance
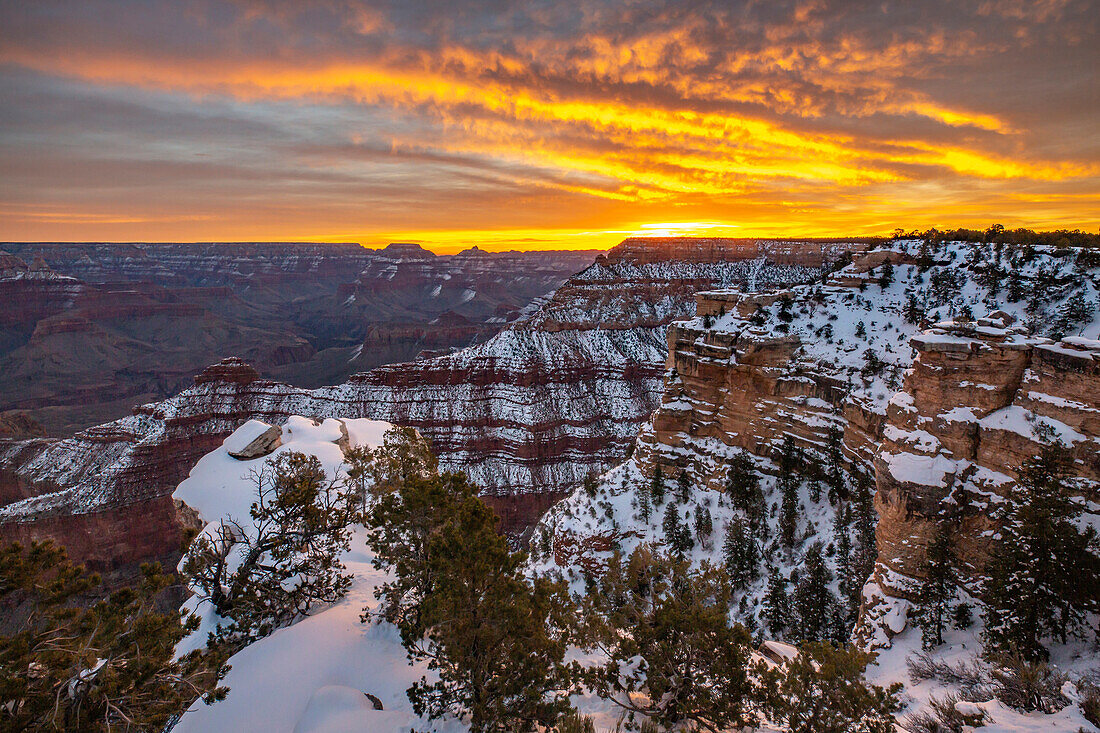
(975, 407)
(941, 419)
(528, 414)
(88, 330)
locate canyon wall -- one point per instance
(89, 330)
(940, 413)
(557, 395)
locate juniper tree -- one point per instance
(70, 665)
(264, 574)
(1043, 573)
(672, 654)
(937, 589)
(777, 605)
(489, 634)
(683, 487)
(657, 486)
(824, 690)
(741, 553)
(813, 603)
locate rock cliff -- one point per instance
(558, 394)
(904, 369)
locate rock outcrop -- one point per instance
(980, 400)
(941, 418)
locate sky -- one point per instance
(537, 125)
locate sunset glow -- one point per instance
(548, 126)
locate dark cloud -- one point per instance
(323, 109)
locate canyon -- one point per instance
(555, 396)
(937, 406)
(89, 330)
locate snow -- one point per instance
(965, 646)
(915, 469)
(311, 677)
(221, 486)
(1023, 422)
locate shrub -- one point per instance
(1027, 685)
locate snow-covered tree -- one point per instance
(672, 654)
(813, 604)
(1043, 575)
(741, 553)
(264, 574)
(937, 589)
(777, 604)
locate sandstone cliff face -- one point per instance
(938, 417)
(979, 401)
(528, 414)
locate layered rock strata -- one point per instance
(941, 418)
(88, 330)
(528, 414)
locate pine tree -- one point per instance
(657, 486)
(683, 487)
(913, 311)
(591, 486)
(743, 488)
(813, 603)
(704, 524)
(861, 330)
(824, 690)
(1074, 312)
(489, 637)
(777, 605)
(886, 278)
(66, 665)
(937, 589)
(788, 487)
(863, 518)
(400, 529)
(1043, 574)
(850, 588)
(645, 502)
(672, 529)
(815, 488)
(834, 464)
(664, 629)
(741, 553)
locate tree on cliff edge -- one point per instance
(937, 589)
(263, 576)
